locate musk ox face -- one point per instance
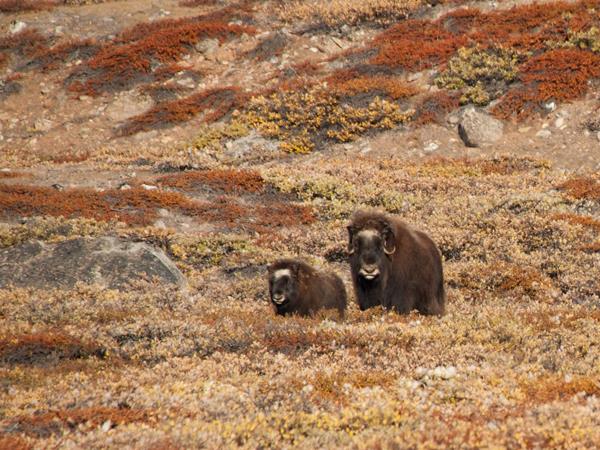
(371, 250)
(283, 286)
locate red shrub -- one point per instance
(139, 207)
(434, 107)
(351, 82)
(216, 103)
(192, 3)
(26, 42)
(225, 180)
(9, 442)
(135, 206)
(575, 219)
(582, 188)
(13, 6)
(131, 58)
(555, 75)
(51, 58)
(38, 347)
(416, 45)
(53, 422)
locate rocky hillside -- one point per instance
(155, 157)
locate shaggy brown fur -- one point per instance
(394, 265)
(296, 287)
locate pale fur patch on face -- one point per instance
(281, 273)
(368, 234)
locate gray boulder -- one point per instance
(107, 261)
(477, 128)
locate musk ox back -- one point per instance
(394, 265)
(296, 287)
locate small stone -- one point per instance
(524, 129)
(560, 123)
(431, 147)
(124, 187)
(207, 47)
(314, 49)
(149, 187)
(84, 97)
(16, 26)
(106, 426)
(43, 125)
(550, 106)
(58, 187)
(544, 133)
(187, 83)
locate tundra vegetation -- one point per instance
(515, 360)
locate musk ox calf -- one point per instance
(296, 287)
(394, 265)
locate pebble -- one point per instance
(106, 426)
(17, 26)
(58, 187)
(544, 133)
(444, 373)
(314, 49)
(550, 106)
(524, 129)
(560, 123)
(149, 187)
(124, 187)
(431, 147)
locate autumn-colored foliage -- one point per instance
(8, 442)
(55, 422)
(574, 219)
(224, 180)
(131, 57)
(24, 43)
(138, 206)
(15, 6)
(192, 3)
(433, 107)
(552, 388)
(135, 206)
(560, 74)
(582, 188)
(51, 58)
(215, 102)
(42, 346)
(351, 82)
(416, 44)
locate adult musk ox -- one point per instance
(296, 287)
(394, 266)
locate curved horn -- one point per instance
(389, 238)
(350, 247)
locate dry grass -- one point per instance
(349, 12)
(513, 363)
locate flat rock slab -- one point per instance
(108, 261)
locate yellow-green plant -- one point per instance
(480, 73)
(302, 120)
